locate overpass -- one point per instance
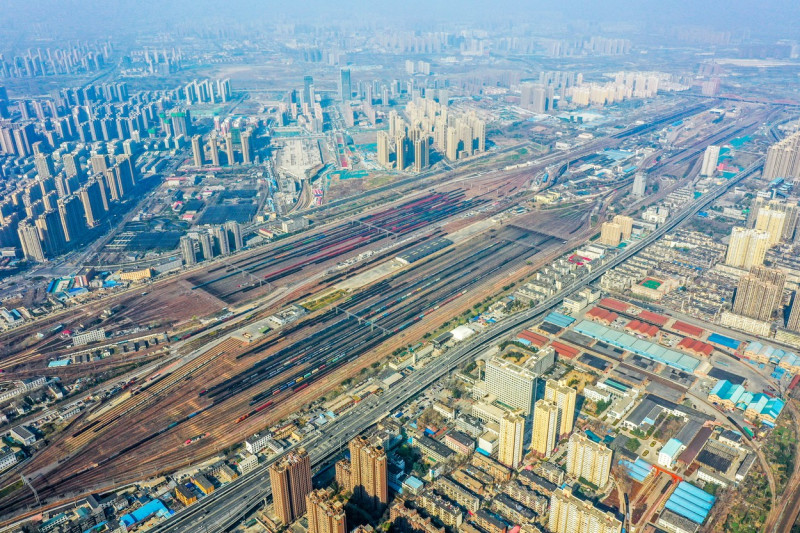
(232, 503)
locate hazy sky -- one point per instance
(772, 19)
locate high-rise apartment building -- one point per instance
(421, 153)
(512, 429)
(290, 478)
(451, 144)
(247, 148)
(625, 225)
(187, 251)
(31, 243)
(44, 165)
(588, 460)
(610, 234)
(73, 217)
(213, 149)
(772, 221)
(639, 185)
(791, 209)
(545, 428)
(234, 235)
(568, 514)
(793, 323)
(759, 293)
(400, 151)
(383, 149)
(747, 248)
(369, 473)
(325, 515)
(206, 245)
(51, 232)
(197, 150)
(710, 158)
(223, 244)
(229, 148)
(564, 397)
(783, 159)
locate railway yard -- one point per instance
(560, 239)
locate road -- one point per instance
(236, 500)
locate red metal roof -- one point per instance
(564, 350)
(689, 329)
(614, 305)
(533, 338)
(654, 318)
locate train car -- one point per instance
(262, 407)
(242, 418)
(196, 438)
(301, 387)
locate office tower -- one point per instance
(197, 150)
(206, 245)
(234, 235)
(759, 293)
(44, 165)
(639, 185)
(345, 87)
(290, 478)
(73, 217)
(610, 234)
(30, 241)
(51, 232)
(369, 473)
(308, 82)
(625, 224)
(187, 251)
(569, 514)
(383, 149)
(213, 149)
(221, 235)
(229, 148)
(400, 150)
(545, 428)
(421, 154)
(783, 159)
(512, 384)
(747, 248)
(588, 460)
(512, 429)
(325, 515)
(451, 144)
(710, 158)
(92, 198)
(793, 323)
(772, 221)
(246, 147)
(564, 397)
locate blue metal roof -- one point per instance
(690, 502)
(722, 340)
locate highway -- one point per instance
(232, 503)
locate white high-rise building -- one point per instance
(710, 158)
(639, 185)
(588, 460)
